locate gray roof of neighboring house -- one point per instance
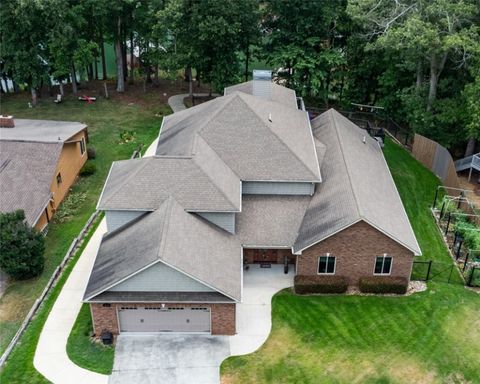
(357, 186)
(199, 184)
(279, 93)
(26, 173)
(268, 220)
(238, 129)
(42, 131)
(177, 238)
(162, 297)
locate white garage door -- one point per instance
(168, 319)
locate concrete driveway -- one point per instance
(168, 359)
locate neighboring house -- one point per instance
(39, 162)
(246, 177)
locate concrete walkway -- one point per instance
(176, 101)
(51, 358)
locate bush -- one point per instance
(21, 247)
(91, 152)
(88, 169)
(305, 284)
(383, 284)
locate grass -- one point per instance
(19, 367)
(106, 120)
(429, 337)
(85, 352)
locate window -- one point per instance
(82, 146)
(326, 264)
(59, 178)
(383, 265)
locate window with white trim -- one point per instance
(326, 264)
(383, 265)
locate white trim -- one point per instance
(157, 301)
(104, 185)
(281, 181)
(266, 247)
(328, 256)
(385, 255)
(82, 140)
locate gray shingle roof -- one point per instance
(162, 297)
(268, 220)
(357, 186)
(279, 93)
(179, 239)
(238, 129)
(144, 184)
(26, 172)
(42, 131)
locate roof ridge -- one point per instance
(112, 194)
(275, 134)
(163, 239)
(334, 123)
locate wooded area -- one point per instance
(419, 59)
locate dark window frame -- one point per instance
(327, 268)
(59, 178)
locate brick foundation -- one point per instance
(355, 249)
(222, 316)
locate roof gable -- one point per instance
(357, 186)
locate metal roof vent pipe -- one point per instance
(262, 84)
(6, 122)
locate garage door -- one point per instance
(168, 319)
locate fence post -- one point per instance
(428, 270)
(459, 249)
(460, 200)
(441, 210)
(450, 275)
(448, 223)
(470, 278)
(435, 199)
(466, 261)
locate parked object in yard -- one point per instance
(88, 99)
(58, 99)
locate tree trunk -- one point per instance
(470, 147)
(247, 58)
(436, 67)
(62, 92)
(96, 68)
(90, 71)
(34, 96)
(5, 79)
(419, 82)
(102, 53)
(132, 58)
(119, 57)
(188, 72)
(74, 80)
(124, 51)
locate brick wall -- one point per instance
(355, 249)
(222, 316)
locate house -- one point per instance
(39, 162)
(245, 178)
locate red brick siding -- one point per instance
(222, 316)
(355, 249)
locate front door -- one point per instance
(265, 256)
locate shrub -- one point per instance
(88, 169)
(305, 284)
(383, 284)
(91, 152)
(21, 247)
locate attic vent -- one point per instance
(7, 121)
(262, 84)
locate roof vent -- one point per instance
(262, 84)
(270, 117)
(364, 139)
(6, 122)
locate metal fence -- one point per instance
(435, 271)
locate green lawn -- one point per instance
(106, 120)
(85, 352)
(429, 337)
(19, 367)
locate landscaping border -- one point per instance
(57, 273)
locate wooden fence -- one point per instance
(437, 159)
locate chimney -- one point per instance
(6, 122)
(262, 84)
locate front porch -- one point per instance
(268, 256)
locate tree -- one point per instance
(21, 246)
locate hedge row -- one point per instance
(383, 284)
(305, 284)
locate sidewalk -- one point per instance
(51, 358)
(176, 101)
